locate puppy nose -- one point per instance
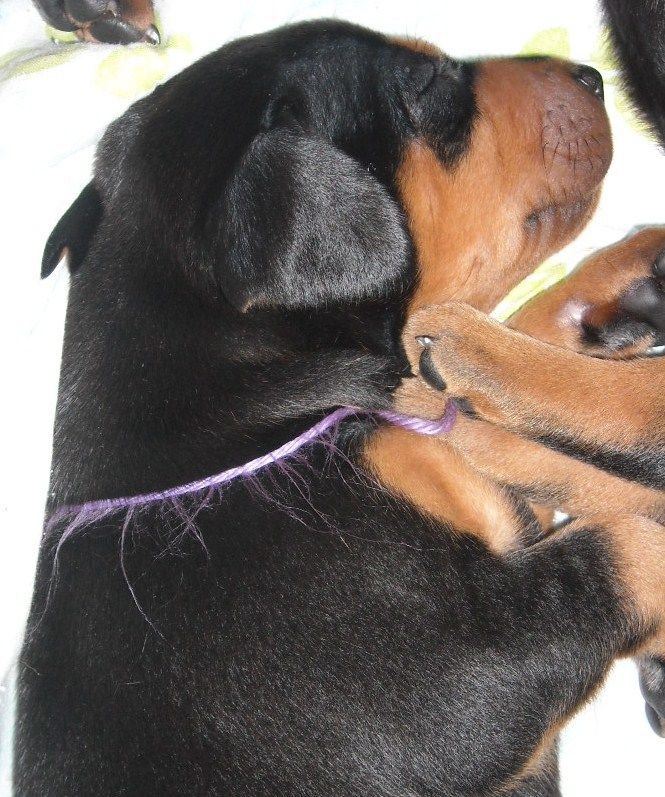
(591, 79)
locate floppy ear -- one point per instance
(302, 224)
(73, 232)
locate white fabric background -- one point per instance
(53, 110)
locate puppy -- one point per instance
(370, 616)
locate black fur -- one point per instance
(249, 272)
(74, 232)
(638, 30)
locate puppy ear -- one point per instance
(73, 232)
(301, 224)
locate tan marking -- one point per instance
(531, 387)
(575, 487)
(434, 477)
(468, 222)
(590, 293)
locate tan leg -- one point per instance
(608, 413)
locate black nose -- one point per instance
(591, 79)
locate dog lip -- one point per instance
(567, 212)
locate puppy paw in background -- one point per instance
(104, 21)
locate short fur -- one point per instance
(262, 240)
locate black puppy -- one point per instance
(257, 231)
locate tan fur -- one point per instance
(553, 479)
(522, 384)
(433, 476)
(590, 294)
(469, 222)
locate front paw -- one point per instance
(104, 21)
(652, 684)
(634, 322)
(453, 350)
(612, 306)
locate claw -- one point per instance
(151, 36)
(428, 370)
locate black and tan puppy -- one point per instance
(370, 620)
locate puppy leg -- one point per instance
(612, 305)
(550, 478)
(565, 480)
(635, 549)
(630, 551)
(607, 413)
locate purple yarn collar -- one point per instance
(97, 509)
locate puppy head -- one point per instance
(323, 164)
(526, 183)
(267, 169)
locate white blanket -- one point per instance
(55, 101)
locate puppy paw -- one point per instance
(652, 684)
(457, 353)
(636, 320)
(104, 21)
(611, 306)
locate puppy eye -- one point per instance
(422, 76)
